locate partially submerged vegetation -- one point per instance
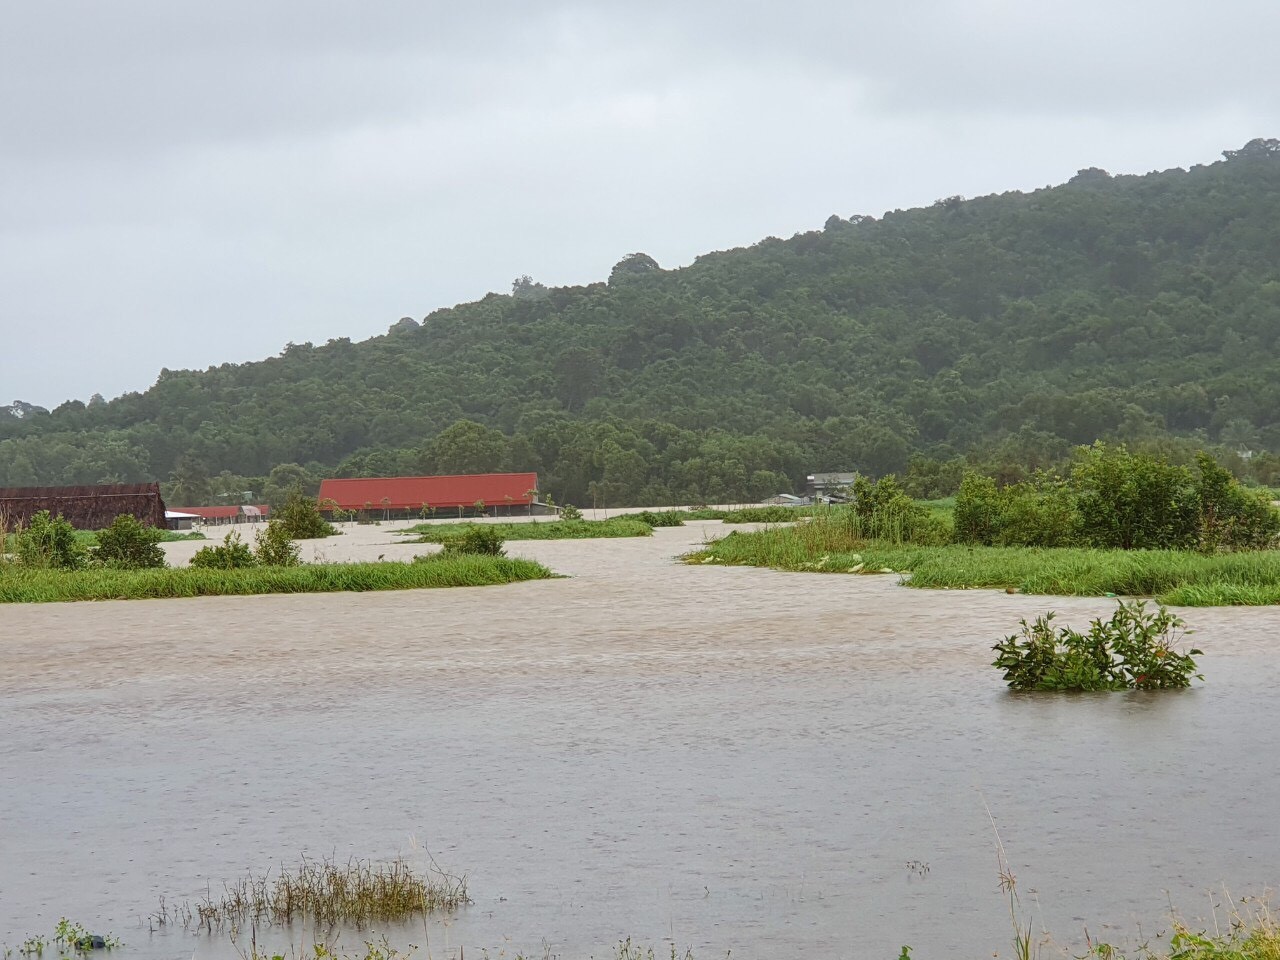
(1134, 650)
(1123, 524)
(623, 526)
(1174, 577)
(356, 894)
(21, 585)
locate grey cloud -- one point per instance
(214, 180)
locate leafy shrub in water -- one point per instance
(1134, 650)
(274, 548)
(301, 520)
(233, 554)
(570, 512)
(480, 539)
(659, 518)
(50, 543)
(129, 544)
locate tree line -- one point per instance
(1003, 330)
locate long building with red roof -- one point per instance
(499, 492)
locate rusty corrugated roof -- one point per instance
(410, 493)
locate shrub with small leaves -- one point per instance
(570, 512)
(659, 518)
(274, 548)
(300, 517)
(478, 538)
(233, 554)
(129, 544)
(50, 543)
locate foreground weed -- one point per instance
(356, 894)
(68, 938)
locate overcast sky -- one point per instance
(184, 184)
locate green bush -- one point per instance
(881, 511)
(233, 554)
(1134, 501)
(274, 548)
(1134, 650)
(659, 518)
(49, 543)
(570, 512)
(977, 513)
(1040, 513)
(478, 539)
(301, 520)
(1230, 515)
(129, 544)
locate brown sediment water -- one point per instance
(733, 759)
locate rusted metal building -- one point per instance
(89, 507)
(497, 494)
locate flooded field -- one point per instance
(730, 759)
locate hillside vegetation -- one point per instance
(1004, 329)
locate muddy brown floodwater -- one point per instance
(775, 764)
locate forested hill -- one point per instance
(1010, 326)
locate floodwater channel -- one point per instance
(728, 759)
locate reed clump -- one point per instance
(353, 894)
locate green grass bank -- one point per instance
(1174, 577)
(21, 585)
(535, 530)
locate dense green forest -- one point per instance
(1000, 330)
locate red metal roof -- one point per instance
(218, 513)
(410, 493)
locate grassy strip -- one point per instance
(1174, 577)
(550, 530)
(19, 585)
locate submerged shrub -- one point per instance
(478, 538)
(129, 544)
(570, 512)
(233, 554)
(274, 548)
(301, 520)
(50, 543)
(659, 518)
(1134, 650)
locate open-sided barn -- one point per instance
(88, 507)
(501, 493)
(243, 513)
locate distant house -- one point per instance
(499, 494)
(245, 513)
(90, 507)
(830, 486)
(787, 500)
(176, 520)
